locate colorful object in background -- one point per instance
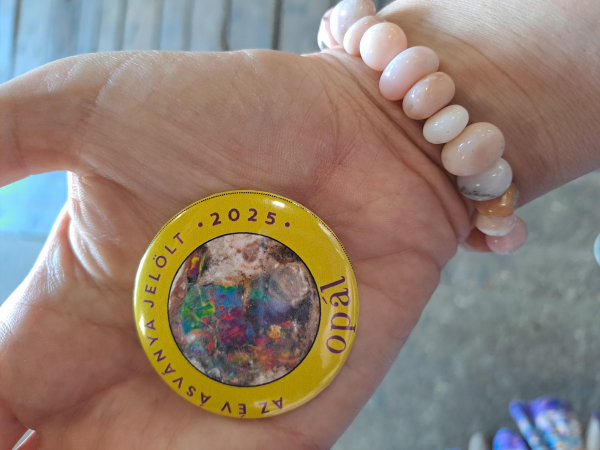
(506, 439)
(244, 309)
(557, 423)
(597, 249)
(546, 423)
(521, 415)
(592, 437)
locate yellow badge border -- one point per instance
(296, 227)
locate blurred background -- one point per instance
(497, 329)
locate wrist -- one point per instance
(533, 76)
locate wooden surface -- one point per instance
(34, 32)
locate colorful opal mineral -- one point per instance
(244, 309)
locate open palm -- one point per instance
(144, 135)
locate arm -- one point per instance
(531, 68)
(127, 125)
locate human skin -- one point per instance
(144, 134)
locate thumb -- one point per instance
(43, 115)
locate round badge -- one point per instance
(246, 304)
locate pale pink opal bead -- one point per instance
(324, 36)
(446, 124)
(474, 150)
(405, 70)
(355, 33)
(346, 13)
(381, 43)
(509, 242)
(495, 226)
(487, 185)
(428, 96)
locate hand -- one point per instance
(146, 134)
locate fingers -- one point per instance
(475, 242)
(11, 429)
(43, 115)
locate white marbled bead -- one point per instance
(446, 124)
(486, 185)
(495, 226)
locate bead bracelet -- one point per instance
(471, 152)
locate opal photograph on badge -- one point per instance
(244, 309)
